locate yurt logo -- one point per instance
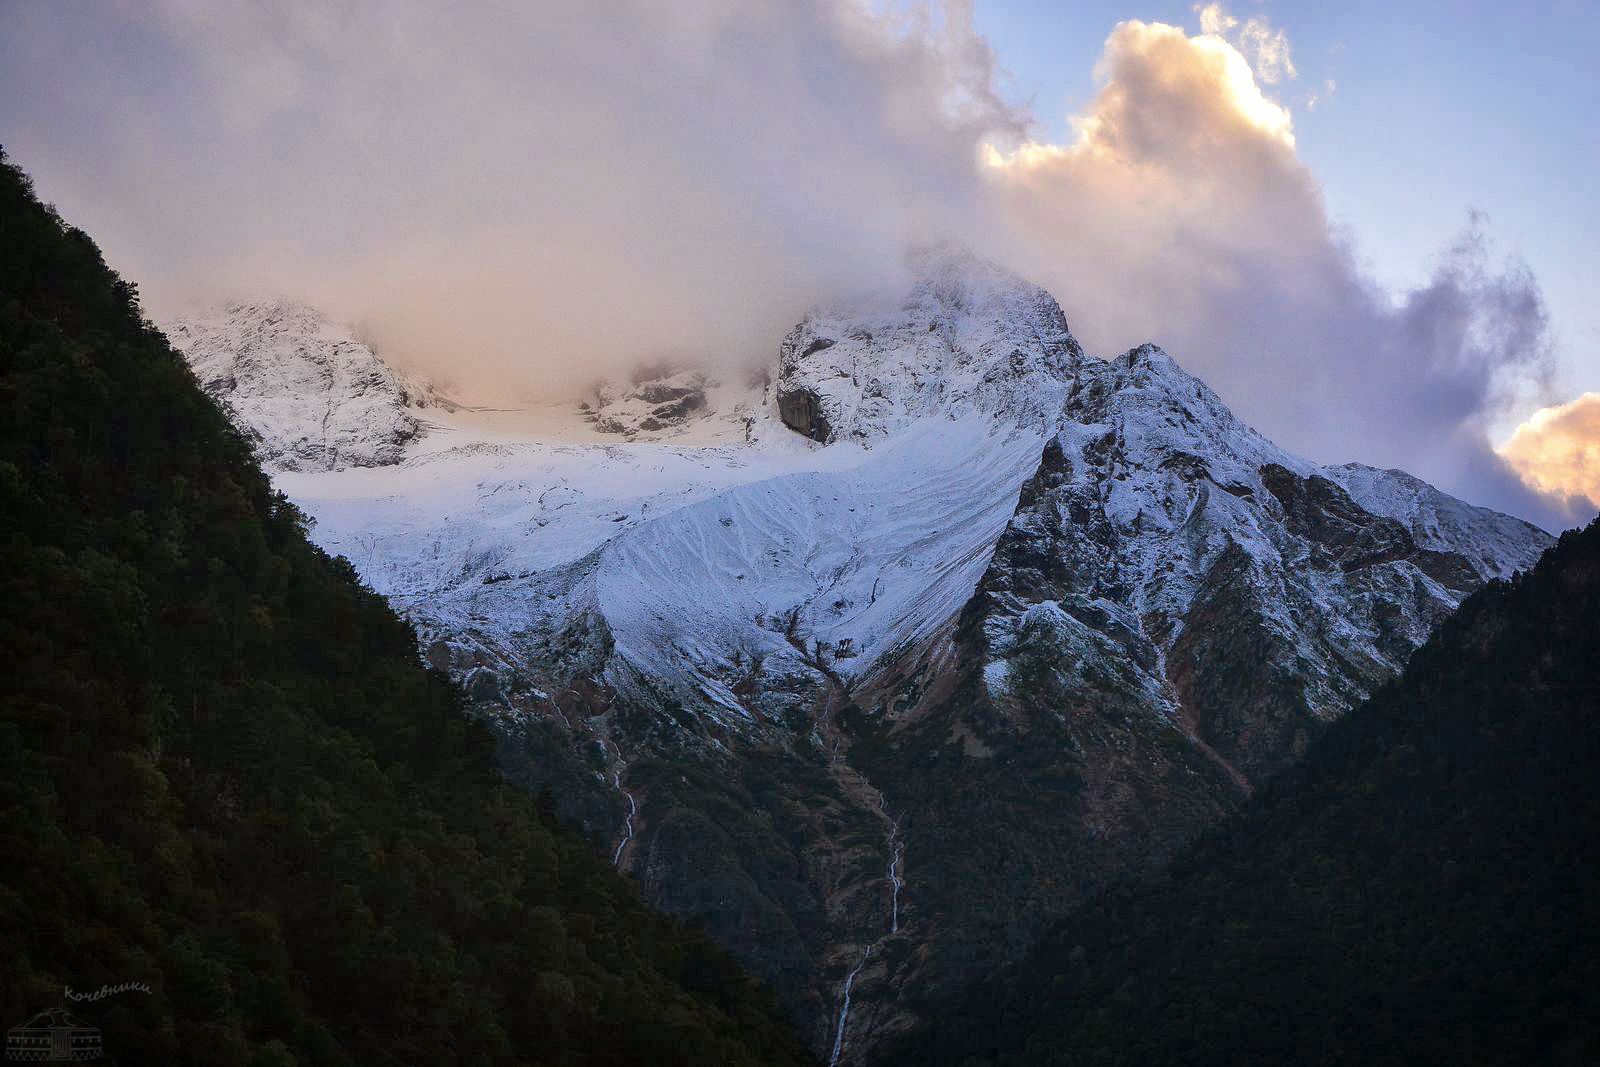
(54, 1036)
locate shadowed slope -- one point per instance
(1419, 889)
(224, 774)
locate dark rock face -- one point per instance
(1343, 534)
(664, 393)
(801, 411)
(1016, 807)
(683, 405)
(1234, 675)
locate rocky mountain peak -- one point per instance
(309, 393)
(1249, 594)
(1167, 408)
(968, 337)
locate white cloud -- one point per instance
(514, 190)
(1214, 21)
(1182, 214)
(521, 194)
(1267, 49)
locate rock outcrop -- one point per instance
(310, 396)
(653, 399)
(969, 337)
(1255, 598)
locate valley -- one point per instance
(881, 668)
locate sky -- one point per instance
(1365, 225)
(1410, 115)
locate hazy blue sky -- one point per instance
(1438, 108)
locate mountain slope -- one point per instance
(1176, 610)
(307, 394)
(1419, 889)
(968, 337)
(225, 776)
(1252, 595)
(970, 604)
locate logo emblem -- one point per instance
(54, 1036)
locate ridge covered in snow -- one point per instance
(308, 394)
(942, 533)
(969, 337)
(797, 565)
(1162, 535)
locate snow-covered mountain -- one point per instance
(1248, 594)
(968, 338)
(308, 394)
(960, 624)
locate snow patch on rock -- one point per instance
(969, 338)
(663, 402)
(304, 389)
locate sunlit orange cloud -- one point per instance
(1557, 450)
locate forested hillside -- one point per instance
(225, 775)
(1420, 890)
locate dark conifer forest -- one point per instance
(1421, 889)
(225, 774)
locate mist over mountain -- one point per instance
(731, 533)
(883, 666)
(608, 186)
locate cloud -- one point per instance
(1266, 48)
(521, 195)
(514, 191)
(1557, 452)
(1182, 214)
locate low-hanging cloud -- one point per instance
(515, 192)
(520, 195)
